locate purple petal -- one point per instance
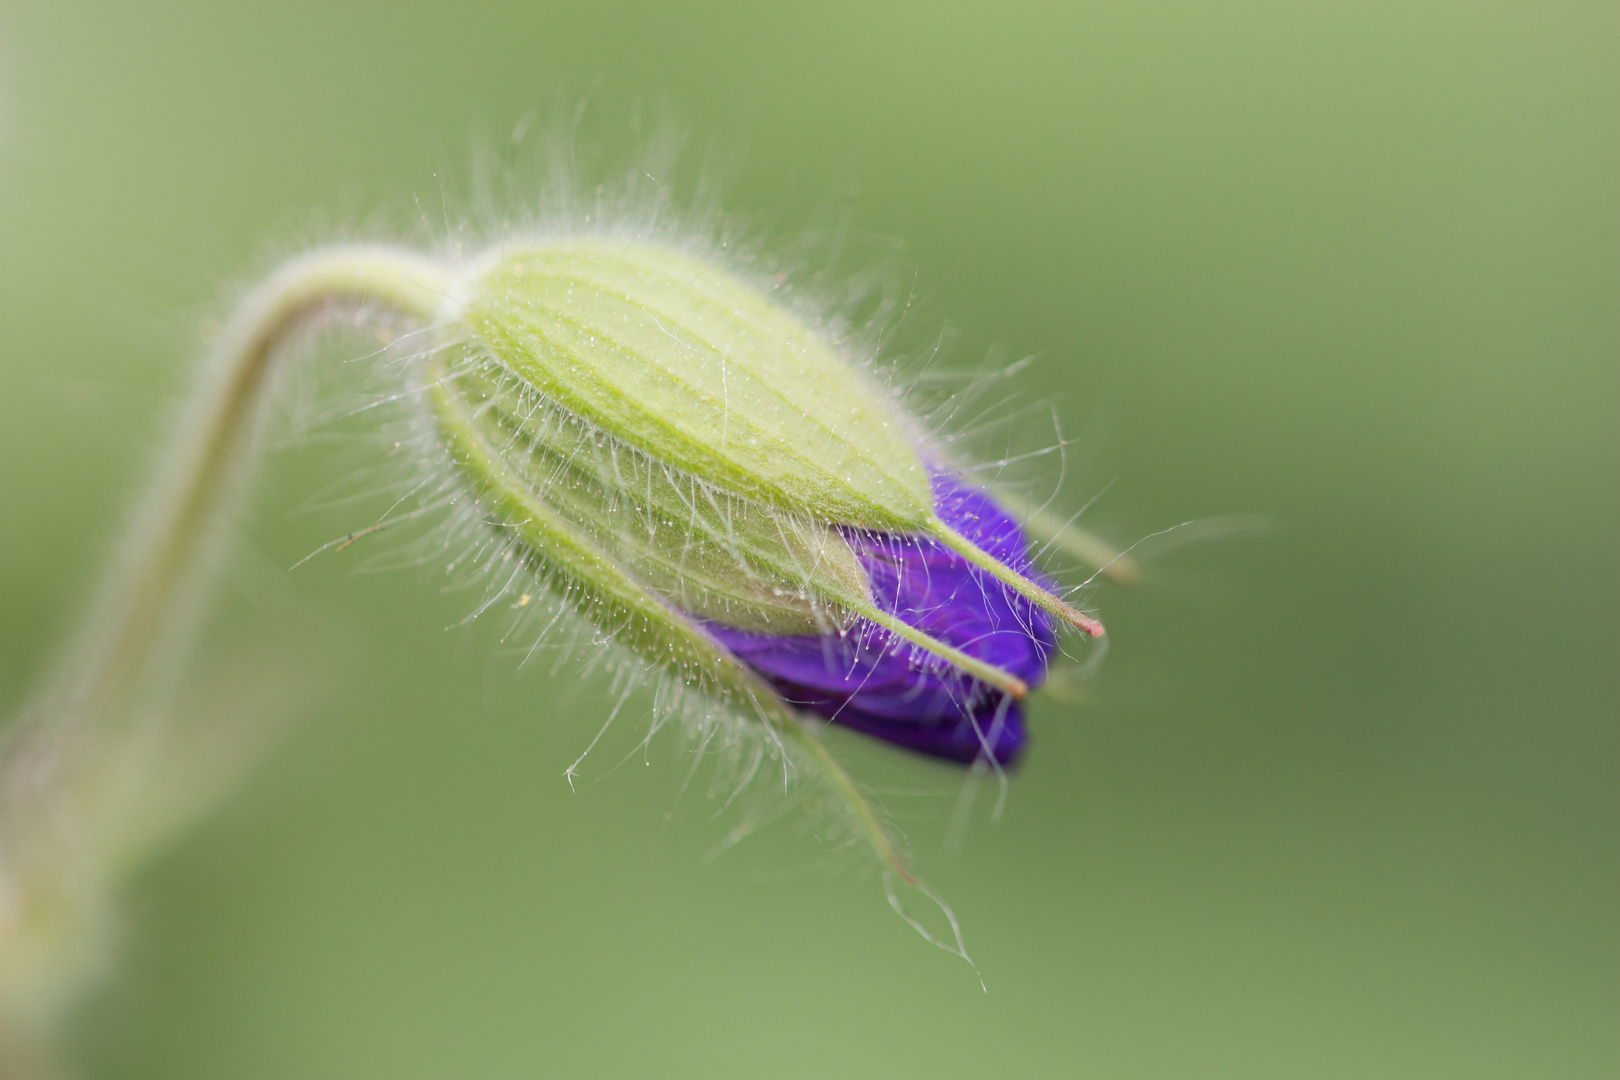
(871, 681)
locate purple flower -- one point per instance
(872, 681)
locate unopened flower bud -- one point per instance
(691, 468)
(703, 474)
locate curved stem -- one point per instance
(63, 813)
(152, 574)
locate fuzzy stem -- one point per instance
(61, 809)
(150, 580)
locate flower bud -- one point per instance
(717, 487)
(691, 469)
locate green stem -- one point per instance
(154, 574)
(65, 814)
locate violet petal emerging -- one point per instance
(871, 681)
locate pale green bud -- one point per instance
(666, 445)
(712, 554)
(655, 427)
(702, 372)
(705, 374)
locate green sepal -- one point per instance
(707, 552)
(711, 554)
(704, 372)
(600, 589)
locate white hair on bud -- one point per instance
(846, 286)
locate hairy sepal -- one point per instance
(599, 588)
(703, 372)
(709, 553)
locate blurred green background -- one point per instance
(1341, 803)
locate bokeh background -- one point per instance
(1341, 803)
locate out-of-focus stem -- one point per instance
(150, 577)
(61, 795)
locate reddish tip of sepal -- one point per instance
(1084, 623)
(1089, 625)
